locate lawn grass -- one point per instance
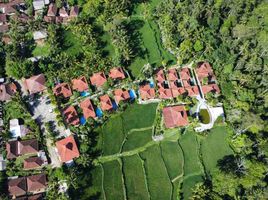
(173, 158)
(113, 184)
(214, 147)
(158, 180)
(113, 135)
(191, 153)
(134, 178)
(41, 50)
(137, 139)
(109, 48)
(136, 66)
(139, 116)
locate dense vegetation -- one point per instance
(231, 35)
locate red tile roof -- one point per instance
(80, 84)
(172, 74)
(74, 11)
(7, 90)
(63, 12)
(106, 103)
(178, 92)
(117, 73)
(17, 187)
(17, 148)
(210, 88)
(173, 84)
(186, 83)
(32, 163)
(120, 94)
(88, 109)
(175, 116)
(204, 70)
(67, 149)
(63, 89)
(98, 79)
(185, 74)
(35, 84)
(160, 76)
(146, 92)
(35, 197)
(192, 91)
(52, 10)
(36, 183)
(71, 116)
(165, 93)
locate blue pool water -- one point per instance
(114, 105)
(151, 84)
(82, 120)
(132, 94)
(84, 93)
(99, 112)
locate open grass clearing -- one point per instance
(137, 139)
(42, 50)
(158, 180)
(113, 181)
(173, 158)
(135, 179)
(113, 135)
(214, 147)
(189, 184)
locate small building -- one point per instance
(17, 187)
(117, 73)
(80, 84)
(185, 74)
(39, 5)
(74, 11)
(147, 92)
(175, 116)
(178, 91)
(88, 109)
(172, 74)
(35, 84)
(52, 10)
(36, 183)
(16, 129)
(63, 13)
(3, 163)
(106, 103)
(71, 116)
(33, 163)
(98, 79)
(204, 70)
(7, 91)
(121, 95)
(17, 148)
(39, 37)
(160, 76)
(3, 19)
(192, 91)
(67, 149)
(63, 89)
(214, 88)
(165, 93)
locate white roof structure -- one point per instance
(38, 35)
(17, 130)
(2, 163)
(38, 4)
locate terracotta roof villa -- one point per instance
(121, 95)
(67, 149)
(98, 79)
(33, 163)
(36, 183)
(52, 10)
(117, 73)
(210, 88)
(71, 116)
(74, 11)
(172, 75)
(35, 84)
(146, 92)
(160, 76)
(6, 91)
(18, 148)
(88, 109)
(178, 91)
(62, 89)
(204, 70)
(175, 116)
(17, 187)
(192, 91)
(106, 103)
(80, 84)
(165, 93)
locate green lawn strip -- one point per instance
(214, 147)
(109, 48)
(134, 178)
(176, 188)
(139, 116)
(41, 50)
(136, 66)
(113, 135)
(137, 139)
(113, 184)
(173, 158)
(158, 180)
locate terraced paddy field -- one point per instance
(133, 166)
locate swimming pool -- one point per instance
(99, 112)
(84, 94)
(132, 94)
